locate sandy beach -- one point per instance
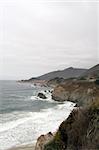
(25, 147)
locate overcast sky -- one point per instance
(38, 36)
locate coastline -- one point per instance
(24, 147)
(25, 125)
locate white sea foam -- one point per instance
(27, 129)
(48, 97)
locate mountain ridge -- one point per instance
(65, 73)
(68, 73)
(92, 72)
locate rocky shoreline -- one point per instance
(81, 93)
(80, 129)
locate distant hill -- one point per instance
(92, 72)
(66, 73)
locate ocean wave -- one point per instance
(48, 97)
(27, 129)
(17, 96)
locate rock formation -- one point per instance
(41, 95)
(43, 140)
(76, 91)
(79, 132)
(54, 82)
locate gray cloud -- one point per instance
(38, 36)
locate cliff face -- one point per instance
(54, 82)
(81, 93)
(79, 132)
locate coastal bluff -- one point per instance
(80, 92)
(80, 130)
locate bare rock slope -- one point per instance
(79, 132)
(43, 140)
(79, 92)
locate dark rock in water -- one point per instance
(41, 95)
(43, 140)
(76, 105)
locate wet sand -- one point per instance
(25, 147)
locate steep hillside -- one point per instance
(79, 92)
(79, 132)
(92, 72)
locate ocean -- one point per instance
(24, 116)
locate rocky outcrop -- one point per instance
(79, 92)
(41, 95)
(79, 132)
(43, 140)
